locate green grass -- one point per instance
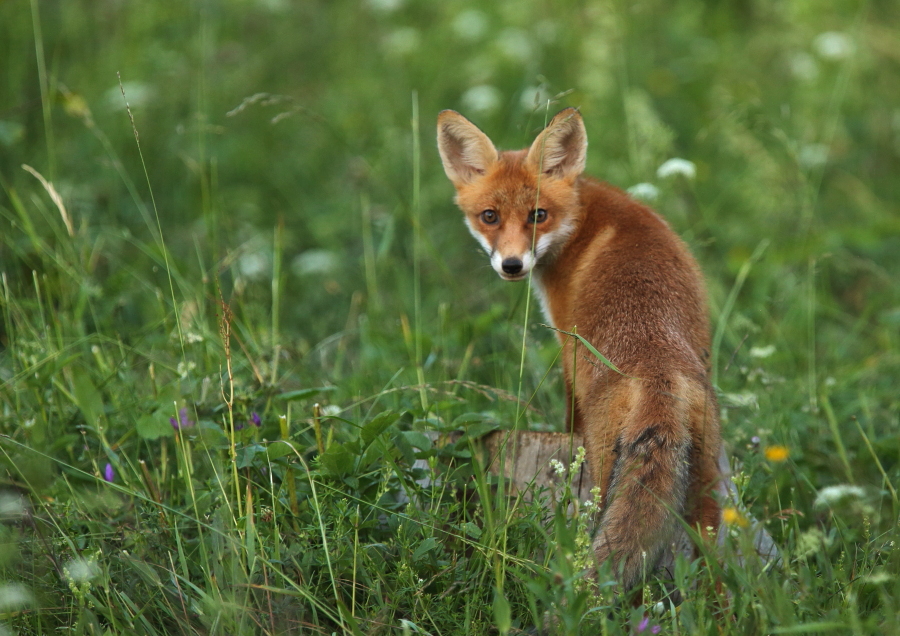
(300, 248)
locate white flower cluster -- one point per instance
(557, 466)
(677, 167)
(832, 495)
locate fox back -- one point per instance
(611, 269)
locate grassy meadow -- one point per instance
(234, 314)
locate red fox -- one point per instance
(609, 267)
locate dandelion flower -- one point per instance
(732, 517)
(777, 453)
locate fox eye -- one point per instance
(490, 217)
(537, 216)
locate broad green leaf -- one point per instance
(418, 439)
(337, 460)
(87, 397)
(279, 448)
(405, 448)
(377, 426)
(471, 529)
(424, 548)
(467, 419)
(502, 612)
(248, 454)
(153, 426)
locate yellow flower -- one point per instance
(777, 453)
(732, 517)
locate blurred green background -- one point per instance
(287, 164)
(255, 114)
(274, 123)
(789, 111)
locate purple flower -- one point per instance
(254, 418)
(182, 421)
(655, 629)
(642, 625)
(108, 473)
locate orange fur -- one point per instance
(610, 268)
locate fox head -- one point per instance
(522, 206)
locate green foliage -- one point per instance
(248, 299)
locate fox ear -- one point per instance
(467, 152)
(561, 148)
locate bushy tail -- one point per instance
(647, 487)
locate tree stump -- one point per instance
(528, 467)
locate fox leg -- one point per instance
(574, 418)
(704, 511)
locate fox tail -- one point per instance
(648, 484)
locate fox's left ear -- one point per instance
(561, 149)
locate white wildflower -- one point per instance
(675, 167)
(645, 191)
(191, 337)
(832, 495)
(834, 45)
(253, 265)
(14, 596)
(762, 352)
(741, 400)
(810, 542)
(557, 466)
(81, 570)
(185, 368)
(803, 66)
(331, 410)
(878, 578)
(136, 93)
(534, 98)
(385, 5)
(315, 262)
(12, 506)
(515, 44)
(482, 99)
(470, 24)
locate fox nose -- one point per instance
(511, 266)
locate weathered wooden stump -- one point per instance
(527, 466)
